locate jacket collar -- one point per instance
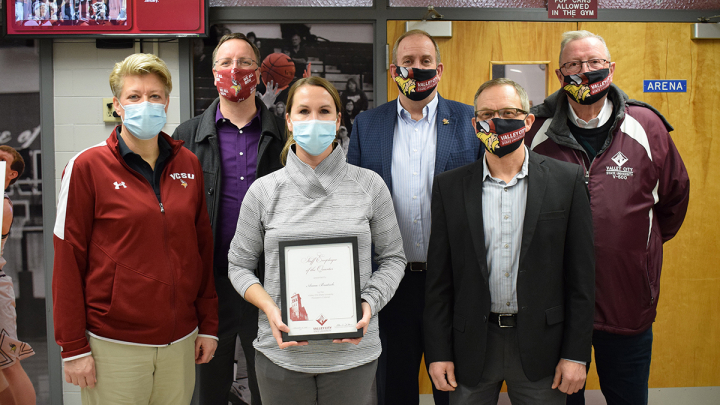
(321, 181)
(267, 121)
(556, 107)
(114, 144)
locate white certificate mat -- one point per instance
(320, 288)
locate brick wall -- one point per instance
(81, 78)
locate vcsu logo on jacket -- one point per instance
(182, 177)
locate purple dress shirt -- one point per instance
(238, 159)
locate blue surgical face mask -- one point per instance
(144, 120)
(314, 136)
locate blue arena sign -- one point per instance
(665, 86)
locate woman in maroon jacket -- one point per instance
(133, 293)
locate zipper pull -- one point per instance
(587, 177)
(162, 209)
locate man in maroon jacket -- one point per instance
(639, 192)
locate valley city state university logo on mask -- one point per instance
(487, 135)
(578, 87)
(619, 172)
(409, 84)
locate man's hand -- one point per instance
(307, 72)
(204, 349)
(363, 324)
(569, 376)
(81, 372)
(277, 326)
(443, 375)
(270, 95)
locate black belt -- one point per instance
(503, 320)
(416, 266)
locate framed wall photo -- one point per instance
(96, 18)
(534, 76)
(320, 288)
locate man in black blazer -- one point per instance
(510, 283)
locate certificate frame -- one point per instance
(327, 272)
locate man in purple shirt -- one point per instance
(237, 140)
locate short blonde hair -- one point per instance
(139, 64)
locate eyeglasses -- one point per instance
(506, 113)
(225, 63)
(575, 66)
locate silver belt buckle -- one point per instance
(500, 317)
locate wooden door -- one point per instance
(686, 351)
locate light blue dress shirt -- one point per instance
(503, 209)
(413, 169)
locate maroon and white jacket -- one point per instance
(128, 268)
(639, 191)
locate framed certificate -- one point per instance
(320, 288)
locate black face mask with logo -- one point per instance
(416, 84)
(589, 87)
(500, 136)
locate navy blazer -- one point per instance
(371, 140)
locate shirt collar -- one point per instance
(321, 181)
(600, 120)
(163, 145)
(523, 170)
(429, 111)
(220, 119)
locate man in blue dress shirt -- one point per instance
(408, 142)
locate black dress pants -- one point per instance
(401, 334)
(237, 317)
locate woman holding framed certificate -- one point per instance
(318, 338)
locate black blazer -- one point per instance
(556, 275)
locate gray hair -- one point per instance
(503, 81)
(415, 32)
(570, 36)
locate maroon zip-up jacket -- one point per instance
(126, 267)
(639, 191)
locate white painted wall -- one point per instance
(81, 77)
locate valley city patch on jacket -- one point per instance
(128, 268)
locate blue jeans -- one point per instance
(623, 366)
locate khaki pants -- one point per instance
(140, 375)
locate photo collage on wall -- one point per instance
(340, 53)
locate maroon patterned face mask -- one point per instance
(236, 84)
(500, 136)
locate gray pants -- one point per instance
(280, 386)
(502, 363)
